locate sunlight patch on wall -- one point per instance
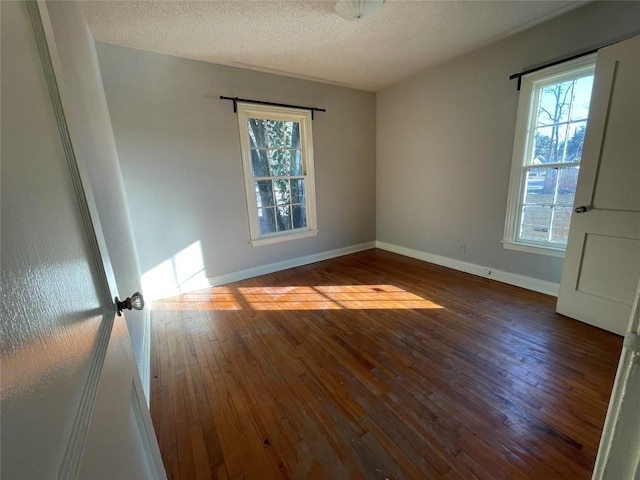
(184, 272)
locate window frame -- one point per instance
(531, 87)
(268, 112)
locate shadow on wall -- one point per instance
(182, 273)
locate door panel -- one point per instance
(620, 443)
(51, 308)
(63, 354)
(608, 256)
(602, 262)
(123, 433)
(617, 185)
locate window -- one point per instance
(552, 119)
(277, 154)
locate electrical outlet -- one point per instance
(463, 248)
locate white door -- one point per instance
(619, 451)
(602, 262)
(72, 404)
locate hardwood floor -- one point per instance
(375, 365)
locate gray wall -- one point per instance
(445, 140)
(179, 150)
(90, 126)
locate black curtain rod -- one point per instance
(573, 57)
(557, 62)
(235, 101)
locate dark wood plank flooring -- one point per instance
(375, 365)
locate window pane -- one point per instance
(283, 217)
(279, 163)
(267, 219)
(581, 98)
(293, 134)
(264, 193)
(541, 186)
(536, 220)
(299, 216)
(567, 182)
(276, 134)
(257, 132)
(297, 191)
(554, 104)
(575, 142)
(295, 163)
(548, 203)
(549, 144)
(281, 189)
(560, 224)
(541, 147)
(259, 162)
(285, 163)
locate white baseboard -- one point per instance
(523, 281)
(285, 264)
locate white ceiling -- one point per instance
(306, 39)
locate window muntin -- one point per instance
(547, 155)
(278, 169)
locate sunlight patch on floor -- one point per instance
(350, 297)
(330, 297)
(287, 298)
(215, 298)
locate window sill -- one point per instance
(282, 238)
(521, 247)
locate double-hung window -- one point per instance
(277, 154)
(550, 128)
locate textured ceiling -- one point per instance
(306, 39)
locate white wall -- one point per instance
(179, 149)
(91, 132)
(445, 139)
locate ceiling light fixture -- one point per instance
(355, 10)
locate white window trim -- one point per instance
(522, 145)
(248, 110)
